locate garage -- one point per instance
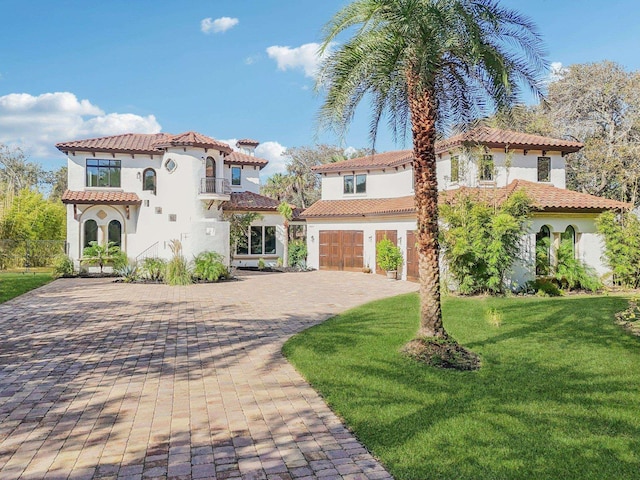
(380, 235)
(341, 250)
(413, 273)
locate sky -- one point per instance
(226, 68)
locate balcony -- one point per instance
(215, 189)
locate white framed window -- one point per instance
(544, 169)
(236, 176)
(261, 240)
(355, 183)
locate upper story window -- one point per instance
(355, 183)
(236, 176)
(103, 173)
(486, 168)
(455, 169)
(544, 169)
(210, 168)
(149, 180)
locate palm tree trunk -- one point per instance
(423, 120)
(285, 260)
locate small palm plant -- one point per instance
(101, 255)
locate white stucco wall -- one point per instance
(368, 225)
(508, 167)
(176, 197)
(389, 184)
(589, 245)
(268, 219)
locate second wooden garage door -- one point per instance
(341, 250)
(412, 257)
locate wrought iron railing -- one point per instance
(215, 185)
(150, 252)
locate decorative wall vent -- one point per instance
(173, 217)
(146, 203)
(158, 210)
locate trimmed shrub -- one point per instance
(208, 266)
(297, 253)
(63, 267)
(154, 269)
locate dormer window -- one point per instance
(236, 176)
(544, 169)
(355, 184)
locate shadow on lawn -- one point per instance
(556, 398)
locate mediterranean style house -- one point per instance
(365, 199)
(141, 191)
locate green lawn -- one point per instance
(14, 284)
(557, 397)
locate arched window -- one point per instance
(543, 251)
(568, 241)
(149, 180)
(210, 168)
(115, 233)
(90, 232)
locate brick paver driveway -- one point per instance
(106, 380)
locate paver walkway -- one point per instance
(106, 380)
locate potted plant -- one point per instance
(389, 257)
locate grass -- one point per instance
(13, 284)
(558, 394)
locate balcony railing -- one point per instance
(219, 186)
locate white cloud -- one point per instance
(556, 71)
(274, 152)
(306, 57)
(271, 151)
(219, 25)
(36, 123)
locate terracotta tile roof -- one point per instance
(237, 158)
(545, 197)
(100, 197)
(143, 143)
(493, 137)
(195, 139)
(548, 198)
(377, 160)
(248, 141)
(250, 201)
(361, 207)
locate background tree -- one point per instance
(300, 186)
(599, 105)
(427, 63)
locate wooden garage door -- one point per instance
(341, 249)
(391, 235)
(412, 257)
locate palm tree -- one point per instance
(286, 212)
(430, 64)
